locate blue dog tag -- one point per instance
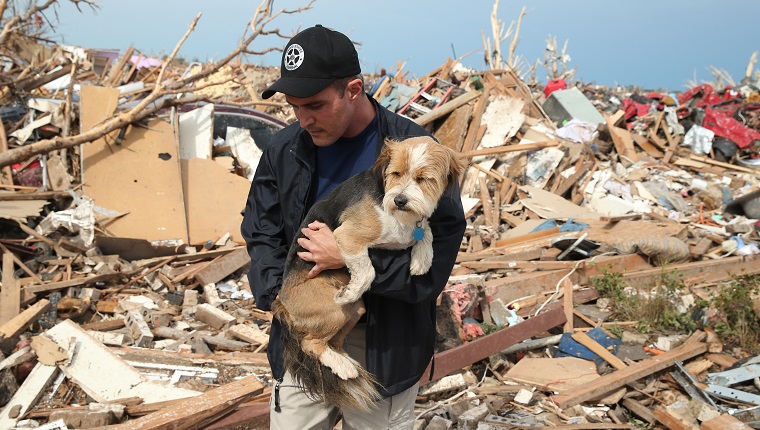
(418, 234)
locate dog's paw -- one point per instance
(346, 296)
(341, 365)
(422, 259)
(418, 267)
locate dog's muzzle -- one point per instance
(401, 201)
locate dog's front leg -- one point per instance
(362, 274)
(422, 252)
(353, 239)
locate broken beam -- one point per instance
(619, 378)
(449, 361)
(200, 411)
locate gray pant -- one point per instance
(297, 411)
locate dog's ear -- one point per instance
(457, 166)
(383, 159)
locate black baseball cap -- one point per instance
(312, 60)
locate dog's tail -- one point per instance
(318, 381)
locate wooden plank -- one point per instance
(22, 321)
(34, 234)
(35, 81)
(619, 378)
(575, 177)
(724, 361)
(454, 359)
(485, 200)
(617, 218)
(21, 264)
(503, 263)
(509, 148)
(27, 395)
(699, 271)
(6, 174)
(192, 359)
(526, 237)
(253, 416)
(669, 137)
(10, 295)
(727, 166)
(621, 138)
(141, 177)
(511, 288)
(104, 376)
(212, 198)
(638, 409)
(599, 350)
(187, 258)
(223, 267)
(107, 325)
(472, 131)
(659, 143)
(698, 250)
(447, 107)
(567, 286)
(656, 127)
(559, 374)
(646, 145)
(454, 128)
(724, 422)
(522, 256)
(116, 74)
(29, 291)
(672, 420)
(198, 412)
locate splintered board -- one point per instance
(554, 374)
(138, 176)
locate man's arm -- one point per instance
(262, 229)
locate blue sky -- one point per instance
(649, 43)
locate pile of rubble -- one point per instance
(124, 299)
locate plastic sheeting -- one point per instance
(699, 139)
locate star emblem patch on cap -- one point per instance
(293, 57)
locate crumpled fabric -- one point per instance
(578, 131)
(669, 199)
(671, 119)
(662, 250)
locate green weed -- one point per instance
(737, 321)
(656, 308)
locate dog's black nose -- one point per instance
(400, 201)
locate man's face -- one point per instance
(325, 115)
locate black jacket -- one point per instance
(400, 307)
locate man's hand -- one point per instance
(321, 248)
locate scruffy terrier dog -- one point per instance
(387, 207)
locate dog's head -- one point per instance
(415, 173)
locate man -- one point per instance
(339, 133)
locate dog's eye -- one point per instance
(422, 179)
(395, 174)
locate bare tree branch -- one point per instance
(163, 93)
(17, 20)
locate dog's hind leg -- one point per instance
(342, 365)
(355, 311)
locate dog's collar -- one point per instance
(419, 233)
